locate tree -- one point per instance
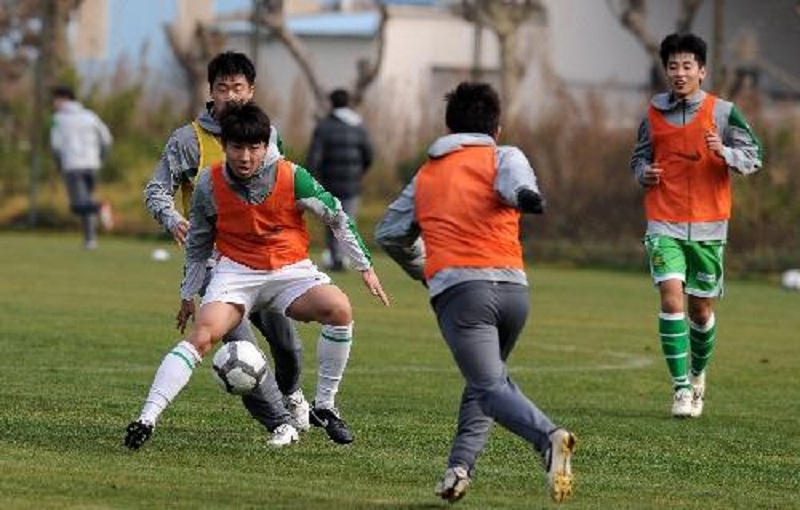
(193, 56)
(504, 18)
(633, 16)
(272, 16)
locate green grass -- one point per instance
(82, 333)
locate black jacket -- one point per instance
(340, 155)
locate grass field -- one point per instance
(82, 333)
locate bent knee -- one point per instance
(338, 313)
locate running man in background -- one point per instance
(455, 228)
(80, 141)
(192, 148)
(250, 209)
(688, 145)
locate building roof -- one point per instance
(324, 24)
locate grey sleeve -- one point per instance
(642, 155)
(180, 155)
(200, 240)
(398, 233)
(514, 174)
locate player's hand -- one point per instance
(374, 285)
(180, 231)
(184, 314)
(652, 176)
(714, 142)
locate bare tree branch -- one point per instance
(504, 18)
(274, 19)
(367, 72)
(688, 13)
(193, 59)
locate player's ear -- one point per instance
(497, 132)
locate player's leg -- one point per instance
(213, 321)
(286, 349)
(265, 404)
(668, 270)
(471, 319)
(79, 186)
(328, 305)
(557, 452)
(704, 285)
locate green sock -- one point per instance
(674, 344)
(702, 338)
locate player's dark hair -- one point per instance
(63, 92)
(675, 44)
(340, 98)
(244, 123)
(473, 108)
(231, 63)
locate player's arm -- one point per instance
(311, 196)
(398, 233)
(515, 182)
(200, 241)
(741, 149)
(178, 159)
(641, 162)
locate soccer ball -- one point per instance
(239, 367)
(790, 279)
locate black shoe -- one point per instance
(334, 425)
(137, 434)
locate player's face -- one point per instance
(244, 159)
(684, 74)
(230, 88)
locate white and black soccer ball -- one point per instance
(239, 367)
(790, 279)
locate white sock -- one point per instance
(173, 374)
(333, 351)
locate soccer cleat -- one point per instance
(106, 216)
(698, 393)
(453, 484)
(682, 403)
(332, 422)
(298, 407)
(283, 435)
(138, 432)
(558, 463)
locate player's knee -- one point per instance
(700, 316)
(339, 313)
(490, 395)
(202, 339)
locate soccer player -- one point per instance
(455, 228)
(688, 144)
(191, 148)
(250, 209)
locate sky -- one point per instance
(132, 22)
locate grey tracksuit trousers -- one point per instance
(480, 321)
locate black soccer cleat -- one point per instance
(334, 425)
(137, 434)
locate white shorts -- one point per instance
(232, 282)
